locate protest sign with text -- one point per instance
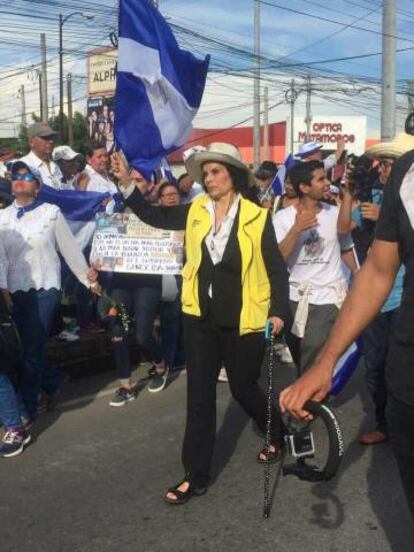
(123, 243)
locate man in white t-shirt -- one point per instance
(309, 242)
(41, 140)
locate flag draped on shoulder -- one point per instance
(159, 87)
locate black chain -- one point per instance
(266, 496)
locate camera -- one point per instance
(362, 177)
(301, 444)
(409, 124)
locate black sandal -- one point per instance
(184, 496)
(270, 456)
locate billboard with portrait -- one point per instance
(101, 118)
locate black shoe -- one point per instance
(122, 396)
(158, 382)
(184, 496)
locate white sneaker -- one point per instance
(68, 336)
(222, 377)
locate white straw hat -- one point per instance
(401, 144)
(218, 152)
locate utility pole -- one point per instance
(410, 95)
(23, 106)
(388, 99)
(43, 80)
(70, 120)
(61, 78)
(39, 76)
(291, 96)
(256, 91)
(62, 21)
(308, 118)
(266, 123)
(36, 75)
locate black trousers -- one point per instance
(209, 346)
(400, 421)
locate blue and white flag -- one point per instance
(79, 209)
(278, 183)
(75, 205)
(346, 366)
(159, 87)
(166, 171)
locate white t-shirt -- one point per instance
(316, 259)
(99, 183)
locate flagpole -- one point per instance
(256, 91)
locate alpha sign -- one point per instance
(102, 72)
(328, 130)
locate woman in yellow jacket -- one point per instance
(234, 280)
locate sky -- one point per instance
(298, 37)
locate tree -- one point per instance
(80, 131)
(23, 139)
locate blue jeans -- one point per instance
(10, 412)
(34, 312)
(143, 303)
(376, 342)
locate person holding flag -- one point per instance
(265, 175)
(234, 281)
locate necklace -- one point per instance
(217, 228)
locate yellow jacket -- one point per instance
(255, 282)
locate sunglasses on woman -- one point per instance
(27, 177)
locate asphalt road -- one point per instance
(94, 477)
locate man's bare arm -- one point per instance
(369, 292)
(345, 223)
(349, 259)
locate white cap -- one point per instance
(195, 149)
(308, 148)
(65, 153)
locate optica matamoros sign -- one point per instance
(102, 72)
(328, 130)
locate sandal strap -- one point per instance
(181, 494)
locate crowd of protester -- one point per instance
(323, 223)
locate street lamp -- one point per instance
(62, 21)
